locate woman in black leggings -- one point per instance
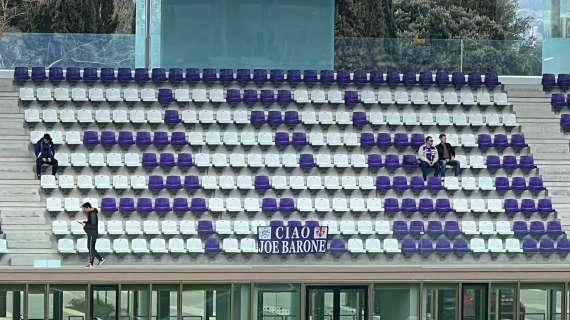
(91, 228)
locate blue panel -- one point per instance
(555, 55)
(291, 34)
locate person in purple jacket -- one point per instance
(429, 158)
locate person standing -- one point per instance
(428, 158)
(446, 154)
(91, 227)
(45, 154)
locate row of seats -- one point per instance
(399, 228)
(266, 97)
(259, 76)
(273, 118)
(501, 183)
(550, 81)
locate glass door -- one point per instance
(337, 303)
(474, 302)
(104, 302)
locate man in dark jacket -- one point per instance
(91, 227)
(446, 154)
(45, 154)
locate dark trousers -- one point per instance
(51, 161)
(454, 163)
(426, 168)
(91, 240)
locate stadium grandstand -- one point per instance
(326, 176)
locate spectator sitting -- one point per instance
(45, 154)
(428, 158)
(446, 154)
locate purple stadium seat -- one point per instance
(149, 160)
(511, 206)
(367, 140)
(460, 246)
(557, 100)
(327, 77)
(416, 227)
(401, 140)
(293, 77)
(90, 138)
(259, 76)
(426, 206)
(548, 81)
(198, 205)
(502, 184)
(21, 74)
(337, 246)
(267, 97)
(205, 227)
(262, 183)
(409, 206)
(383, 183)
(527, 162)
(520, 228)
(286, 205)
(243, 76)
(443, 246)
(537, 229)
(393, 78)
(284, 97)
(491, 79)
(165, 96)
(55, 74)
(500, 142)
(518, 184)
(108, 139)
(384, 140)
(180, 205)
(141, 75)
(162, 205)
(276, 76)
(269, 205)
(171, 117)
(426, 78)
(535, 184)
(307, 161)
(175, 75)
(554, 229)
(155, 183)
(143, 139)
(374, 161)
(351, 98)
(441, 78)
(434, 228)
(409, 162)
(310, 77)
(400, 228)
(417, 140)
(233, 96)
(123, 74)
(376, 78)
(451, 228)
(493, 162)
(257, 117)
(191, 182)
(474, 79)
(282, 139)
(391, 206)
(274, 118)
(434, 184)
(312, 223)
(127, 205)
(563, 246)
(276, 223)
(250, 97)
(417, 184)
(209, 75)
(409, 247)
(529, 246)
(158, 75)
(167, 160)
(546, 246)
(528, 206)
(160, 139)
(126, 139)
(392, 161)
(545, 206)
(458, 79)
(173, 183)
(291, 118)
(178, 139)
(108, 205)
(360, 78)
(400, 183)
(39, 74)
(517, 141)
(426, 247)
(443, 206)
(565, 121)
(212, 246)
(342, 77)
(192, 75)
(484, 141)
(510, 162)
(299, 139)
(563, 81)
(226, 75)
(410, 78)
(90, 74)
(144, 205)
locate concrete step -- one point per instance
(29, 239)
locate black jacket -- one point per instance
(91, 225)
(44, 150)
(450, 149)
